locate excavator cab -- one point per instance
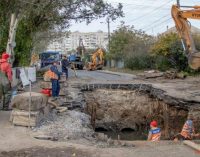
(183, 27)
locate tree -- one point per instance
(46, 15)
(127, 42)
(132, 46)
(169, 46)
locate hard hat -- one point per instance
(154, 123)
(5, 56)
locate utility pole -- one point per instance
(108, 21)
(81, 47)
(178, 3)
(12, 33)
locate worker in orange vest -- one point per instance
(188, 131)
(155, 132)
(55, 76)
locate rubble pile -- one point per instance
(69, 125)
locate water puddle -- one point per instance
(126, 134)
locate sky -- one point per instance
(151, 16)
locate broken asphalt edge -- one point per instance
(117, 73)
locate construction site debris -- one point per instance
(53, 104)
(61, 109)
(173, 74)
(21, 118)
(151, 74)
(21, 101)
(43, 137)
(170, 74)
(67, 125)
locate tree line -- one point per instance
(140, 51)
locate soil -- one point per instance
(46, 152)
(118, 109)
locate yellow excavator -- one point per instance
(183, 27)
(96, 65)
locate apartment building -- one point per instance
(90, 40)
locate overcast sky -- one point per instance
(152, 16)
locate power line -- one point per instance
(148, 13)
(126, 4)
(159, 24)
(156, 21)
(131, 3)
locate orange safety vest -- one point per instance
(155, 134)
(187, 130)
(50, 74)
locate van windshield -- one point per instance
(50, 56)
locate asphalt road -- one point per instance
(101, 76)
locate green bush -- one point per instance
(168, 53)
(162, 63)
(139, 62)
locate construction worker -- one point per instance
(65, 65)
(188, 131)
(6, 80)
(155, 132)
(55, 80)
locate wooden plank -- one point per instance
(24, 121)
(23, 113)
(192, 145)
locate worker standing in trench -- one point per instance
(155, 132)
(188, 130)
(5, 80)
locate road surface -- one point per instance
(101, 75)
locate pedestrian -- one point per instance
(188, 130)
(55, 76)
(6, 80)
(65, 65)
(155, 132)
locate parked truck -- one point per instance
(77, 61)
(49, 57)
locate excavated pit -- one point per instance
(125, 111)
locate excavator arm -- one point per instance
(184, 30)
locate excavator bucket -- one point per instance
(194, 60)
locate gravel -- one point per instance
(71, 125)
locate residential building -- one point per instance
(70, 42)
